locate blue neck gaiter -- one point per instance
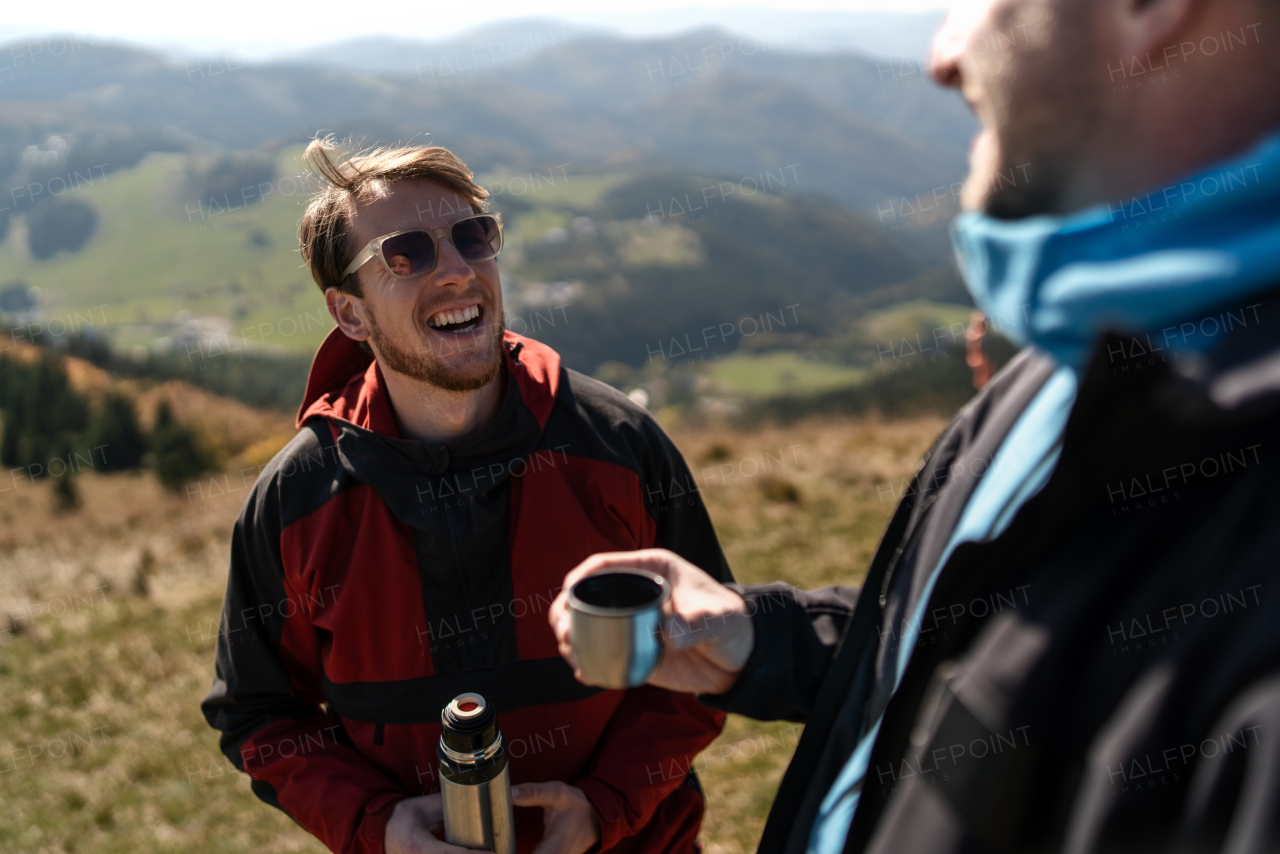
(1135, 265)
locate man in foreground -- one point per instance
(404, 548)
(1069, 639)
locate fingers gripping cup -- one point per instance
(615, 626)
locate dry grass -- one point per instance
(107, 617)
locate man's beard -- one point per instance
(1051, 114)
(1037, 184)
(425, 367)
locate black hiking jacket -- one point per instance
(1104, 676)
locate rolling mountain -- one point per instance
(867, 127)
(486, 46)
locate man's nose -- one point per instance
(944, 52)
(451, 267)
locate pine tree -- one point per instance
(179, 456)
(9, 443)
(115, 426)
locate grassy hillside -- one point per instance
(108, 617)
(160, 250)
(602, 266)
(782, 372)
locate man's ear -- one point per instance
(1144, 27)
(348, 312)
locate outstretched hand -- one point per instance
(707, 628)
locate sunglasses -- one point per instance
(415, 252)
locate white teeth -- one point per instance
(445, 318)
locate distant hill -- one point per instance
(487, 47)
(871, 131)
(881, 35)
(871, 33)
(670, 256)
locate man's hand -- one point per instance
(708, 632)
(413, 827)
(570, 824)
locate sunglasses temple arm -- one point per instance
(360, 260)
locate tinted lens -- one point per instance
(409, 254)
(477, 238)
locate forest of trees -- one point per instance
(51, 430)
(268, 380)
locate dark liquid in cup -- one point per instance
(617, 590)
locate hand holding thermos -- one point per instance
(473, 811)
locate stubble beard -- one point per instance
(1024, 181)
(430, 368)
(1052, 111)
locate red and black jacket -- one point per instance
(374, 578)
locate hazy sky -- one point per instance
(257, 28)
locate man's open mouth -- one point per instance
(457, 320)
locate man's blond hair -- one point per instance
(349, 180)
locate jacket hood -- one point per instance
(345, 383)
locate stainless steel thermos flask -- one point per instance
(474, 780)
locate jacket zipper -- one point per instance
(464, 580)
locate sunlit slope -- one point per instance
(158, 251)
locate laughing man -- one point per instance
(405, 546)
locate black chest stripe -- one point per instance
(515, 685)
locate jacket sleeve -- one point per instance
(796, 636)
(266, 695)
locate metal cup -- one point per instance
(615, 627)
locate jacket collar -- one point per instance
(345, 383)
